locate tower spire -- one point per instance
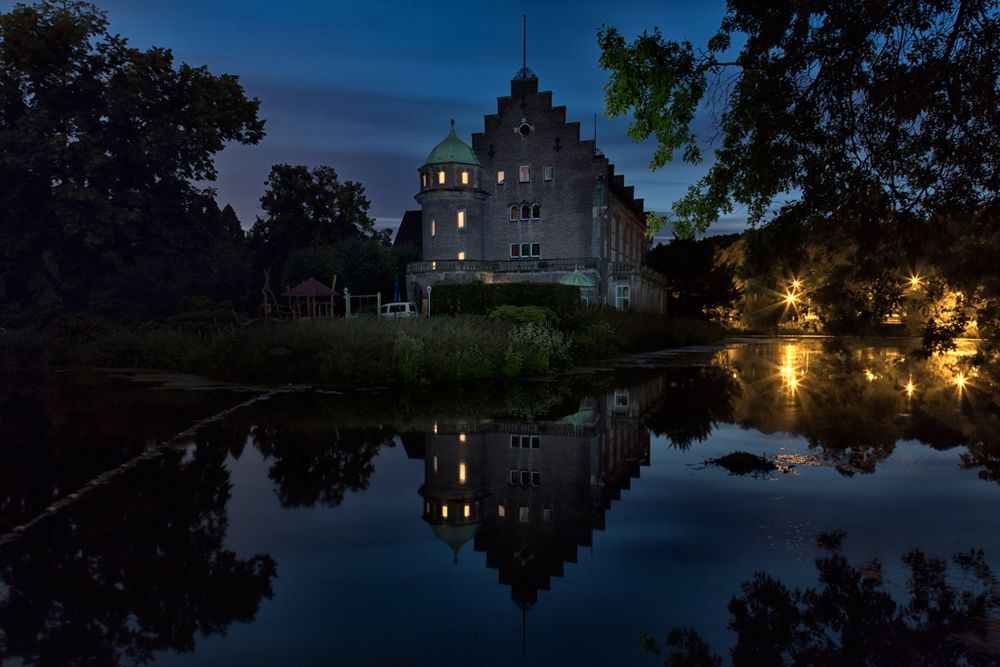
(524, 42)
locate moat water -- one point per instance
(557, 521)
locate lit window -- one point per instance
(523, 174)
(500, 177)
(427, 507)
(524, 513)
(444, 511)
(461, 219)
(536, 212)
(467, 511)
(547, 173)
(461, 437)
(514, 213)
(501, 511)
(434, 227)
(434, 266)
(461, 473)
(525, 212)
(461, 255)
(465, 178)
(441, 177)
(423, 180)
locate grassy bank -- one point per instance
(512, 343)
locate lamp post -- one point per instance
(429, 300)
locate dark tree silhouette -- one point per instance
(131, 569)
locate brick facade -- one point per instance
(539, 194)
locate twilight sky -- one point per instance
(369, 88)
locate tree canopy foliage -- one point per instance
(886, 109)
(306, 208)
(101, 149)
(862, 139)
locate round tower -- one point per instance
(452, 201)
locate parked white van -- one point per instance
(399, 309)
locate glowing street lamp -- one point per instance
(790, 299)
(796, 284)
(915, 282)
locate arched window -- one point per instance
(423, 180)
(441, 177)
(513, 213)
(465, 178)
(525, 212)
(536, 212)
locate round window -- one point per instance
(524, 130)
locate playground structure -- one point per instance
(312, 300)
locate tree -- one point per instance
(874, 127)
(308, 208)
(885, 110)
(100, 147)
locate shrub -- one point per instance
(481, 299)
(534, 349)
(524, 314)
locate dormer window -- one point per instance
(441, 177)
(465, 178)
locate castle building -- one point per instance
(530, 200)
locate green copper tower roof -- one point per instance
(453, 150)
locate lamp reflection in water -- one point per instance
(791, 373)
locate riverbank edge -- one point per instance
(358, 353)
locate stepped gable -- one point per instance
(625, 192)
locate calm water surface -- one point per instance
(548, 522)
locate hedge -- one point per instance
(481, 299)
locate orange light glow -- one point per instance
(915, 282)
(910, 388)
(461, 437)
(869, 375)
(960, 381)
(796, 283)
(790, 298)
(461, 473)
(467, 512)
(444, 511)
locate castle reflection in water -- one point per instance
(530, 494)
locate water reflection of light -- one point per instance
(791, 374)
(960, 381)
(910, 387)
(869, 375)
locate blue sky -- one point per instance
(369, 88)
